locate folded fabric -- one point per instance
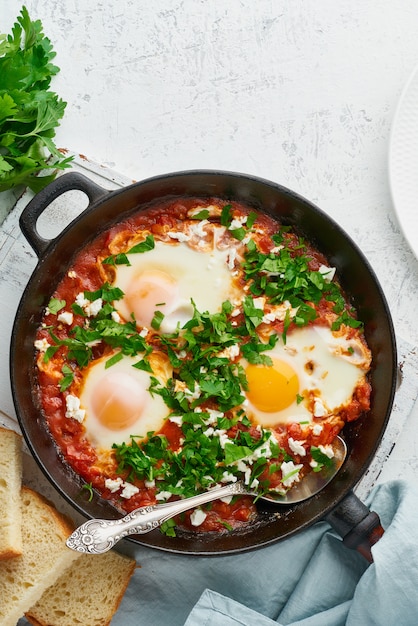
(336, 587)
(310, 579)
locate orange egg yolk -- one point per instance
(148, 292)
(272, 387)
(118, 401)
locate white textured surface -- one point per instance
(301, 92)
(403, 159)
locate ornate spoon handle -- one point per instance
(99, 535)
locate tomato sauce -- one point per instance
(87, 273)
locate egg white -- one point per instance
(328, 368)
(167, 277)
(130, 385)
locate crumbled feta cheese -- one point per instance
(290, 473)
(71, 274)
(73, 408)
(259, 303)
(231, 352)
(236, 312)
(223, 437)
(327, 450)
(93, 308)
(66, 317)
(181, 237)
(176, 419)
(128, 491)
(163, 495)
(209, 431)
(227, 477)
(255, 484)
(317, 429)
(198, 229)
(42, 345)
(226, 499)
(237, 222)
(198, 517)
(113, 484)
(149, 484)
(116, 317)
(81, 300)
(296, 447)
(327, 272)
(319, 409)
(313, 463)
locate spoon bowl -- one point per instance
(97, 536)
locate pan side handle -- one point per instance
(359, 527)
(35, 208)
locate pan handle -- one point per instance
(35, 208)
(359, 527)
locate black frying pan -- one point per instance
(336, 502)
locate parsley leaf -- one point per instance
(29, 111)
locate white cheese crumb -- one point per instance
(199, 228)
(73, 408)
(144, 332)
(255, 483)
(237, 222)
(176, 419)
(288, 467)
(230, 352)
(93, 308)
(116, 317)
(259, 303)
(327, 272)
(128, 491)
(317, 429)
(71, 274)
(181, 237)
(223, 437)
(149, 484)
(327, 450)
(198, 517)
(319, 409)
(296, 447)
(163, 495)
(113, 484)
(227, 477)
(81, 300)
(42, 345)
(66, 317)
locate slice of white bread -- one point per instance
(10, 483)
(45, 556)
(87, 594)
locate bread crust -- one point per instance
(10, 482)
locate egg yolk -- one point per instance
(118, 400)
(272, 387)
(148, 292)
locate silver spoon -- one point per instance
(99, 535)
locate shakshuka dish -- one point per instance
(197, 343)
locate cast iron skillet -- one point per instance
(336, 502)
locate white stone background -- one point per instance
(302, 92)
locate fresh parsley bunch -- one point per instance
(29, 111)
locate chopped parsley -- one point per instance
(205, 394)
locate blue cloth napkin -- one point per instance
(310, 579)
